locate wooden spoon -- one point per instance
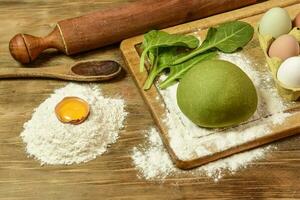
(80, 71)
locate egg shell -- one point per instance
(285, 46)
(297, 21)
(275, 22)
(289, 72)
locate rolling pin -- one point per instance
(106, 27)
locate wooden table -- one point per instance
(112, 175)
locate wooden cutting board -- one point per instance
(250, 14)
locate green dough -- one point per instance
(216, 94)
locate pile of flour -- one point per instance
(53, 142)
(189, 141)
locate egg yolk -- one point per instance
(72, 110)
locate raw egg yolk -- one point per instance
(72, 110)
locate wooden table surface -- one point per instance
(112, 175)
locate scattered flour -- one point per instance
(152, 159)
(52, 142)
(189, 141)
(154, 163)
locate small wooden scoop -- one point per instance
(80, 71)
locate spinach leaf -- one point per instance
(227, 37)
(162, 49)
(156, 39)
(177, 71)
(166, 55)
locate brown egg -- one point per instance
(296, 22)
(284, 47)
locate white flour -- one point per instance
(154, 163)
(52, 142)
(189, 141)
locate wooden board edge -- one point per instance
(285, 133)
(130, 55)
(126, 47)
(243, 12)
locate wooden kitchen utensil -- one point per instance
(80, 71)
(109, 26)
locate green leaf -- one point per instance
(166, 56)
(162, 48)
(227, 37)
(157, 39)
(177, 71)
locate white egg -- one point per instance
(289, 72)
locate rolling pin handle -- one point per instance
(26, 48)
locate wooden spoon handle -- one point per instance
(49, 72)
(106, 27)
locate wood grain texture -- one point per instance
(251, 15)
(106, 27)
(112, 175)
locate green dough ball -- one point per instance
(216, 94)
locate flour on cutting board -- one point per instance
(52, 142)
(189, 141)
(154, 163)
